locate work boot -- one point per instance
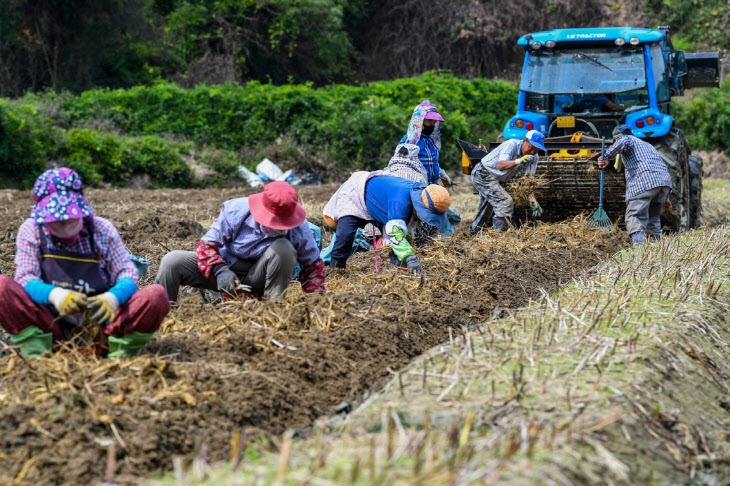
(637, 238)
(33, 341)
(129, 345)
(338, 263)
(500, 223)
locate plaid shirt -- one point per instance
(238, 236)
(429, 157)
(645, 168)
(113, 256)
(508, 150)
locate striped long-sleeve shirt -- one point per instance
(644, 166)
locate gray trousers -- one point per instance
(491, 194)
(268, 276)
(643, 212)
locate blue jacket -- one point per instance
(389, 198)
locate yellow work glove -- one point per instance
(104, 306)
(536, 208)
(523, 159)
(66, 301)
(618, 163)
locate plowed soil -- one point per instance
(259, 367)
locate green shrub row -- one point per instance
(705, 119)
(30, 143)
(112, 135)
(330, 130)
(25, 143)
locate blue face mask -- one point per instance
(271, 231)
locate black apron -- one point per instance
(80, 272)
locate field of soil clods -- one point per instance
(262, 367)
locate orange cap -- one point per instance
(439, 196)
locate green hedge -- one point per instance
(705, 119)
(26, 140)
(108, 134)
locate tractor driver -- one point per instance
(594, 103)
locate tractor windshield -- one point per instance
(584, 70)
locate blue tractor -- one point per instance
(577, 85)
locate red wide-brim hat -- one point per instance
(277, 207)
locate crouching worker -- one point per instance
(648, 183)
(74, 274)
(398, 204)
(252, 249)
(512, 158)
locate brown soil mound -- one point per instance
(264, 366)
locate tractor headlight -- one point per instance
(620, 41)
(634, 41)
(550, 44)
(536, 45)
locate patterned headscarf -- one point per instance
(59, 195)
(405, 163)
(416, 124)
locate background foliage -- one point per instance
(113, 135)
(82, 44)
(705, 119)
(182, 91)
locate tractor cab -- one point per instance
(591, 80)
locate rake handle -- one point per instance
(603, 155)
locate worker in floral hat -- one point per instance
(74, 273)
(397, 204)
(424, 132)
(252, 248)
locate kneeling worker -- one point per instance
(512, 158)
(253, 246)
(73, 270)
(398, 204)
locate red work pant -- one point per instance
(144, 311)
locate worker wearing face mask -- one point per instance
(74, 281)
(423, 131)
(252, 248)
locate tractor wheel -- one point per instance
(695, 190)
(674, 151)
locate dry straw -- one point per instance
(567, 388)
(522, 188)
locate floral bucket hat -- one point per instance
(59, 195)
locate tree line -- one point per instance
(77, 45)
